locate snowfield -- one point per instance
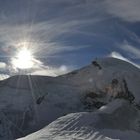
(108, 123)
(102, 101)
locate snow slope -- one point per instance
(29, 103)
(117, 120)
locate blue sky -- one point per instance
(68, 34)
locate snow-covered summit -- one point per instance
(108, 75)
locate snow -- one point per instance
(111, 106)
(71, 93)
(90, 77)
(90, 126)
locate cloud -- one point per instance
(53, 71)
(54, 28)
(4, 76)
(13, 36)
(121, 57)
(3, 71)
(48, 35)
(2, 65)
(43, 37)
(127, 10)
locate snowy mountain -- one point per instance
(117, 120)
(109, 88)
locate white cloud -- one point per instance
(45, 30)
(44, 72)
(59, 19)
(128, 10)
(4, 76)
(52, 71)
(40, 40)
(3, 69)
(41, 36)
(2, 65)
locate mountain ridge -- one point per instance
(33, 102)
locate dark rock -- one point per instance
(95, 63)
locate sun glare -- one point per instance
(23, 59)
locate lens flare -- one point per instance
(23, 59)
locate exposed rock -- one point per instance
(95, 63)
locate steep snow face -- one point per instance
(28, 103)
(117, 120)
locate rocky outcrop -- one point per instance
(118, 88)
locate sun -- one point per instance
(23, 59)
